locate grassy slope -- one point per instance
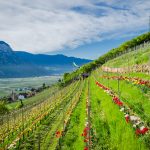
(132, 95)
(73, 139)
(112, 130)
(140, 56)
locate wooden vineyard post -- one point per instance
(44, 106)
(39, 141)
(118, 84)
(8, 124)
(128, 66)
(89, 127)
(148, 67)
(63, 120)
(2, 120)
(22, 121)
(14, 117)
(40, 112)
(89, 124)
(107, 77)
(19, 143)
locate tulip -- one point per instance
(86, 148)
(143, 131)
(127, 118)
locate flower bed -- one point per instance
(134, 80)
(137, 123)
(88, 133)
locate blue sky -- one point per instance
(81, 28)
(95, 49)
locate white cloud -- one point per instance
(49, 25)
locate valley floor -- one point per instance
(7, 85)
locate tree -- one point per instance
(3, 108)
(65, 75)
(59, 80)
(44, 85)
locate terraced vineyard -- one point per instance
(107, 110)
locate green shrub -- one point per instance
(3, 108)
(20, 105)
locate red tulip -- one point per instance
(58, 134)
(127, 119)
(138, 131)
(85, 140)
(143, 131)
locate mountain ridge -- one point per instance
(25, 64)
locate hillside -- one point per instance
(129, 46)
(138, 57)
(21, 64)
(107, 110)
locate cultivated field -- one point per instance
(9, 84)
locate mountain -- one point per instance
(42, 59)
(23, 64)
(7, 56)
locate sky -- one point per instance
(80, 28)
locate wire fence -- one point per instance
(131, 65)
(135, 48)
(14, 124)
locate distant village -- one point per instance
(26, 92)
(23, 93)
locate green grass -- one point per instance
(132, 74)
(140, 75)
(73, 139)
(112, 131)
(132, 95)
(141, 56)
(111, 128)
